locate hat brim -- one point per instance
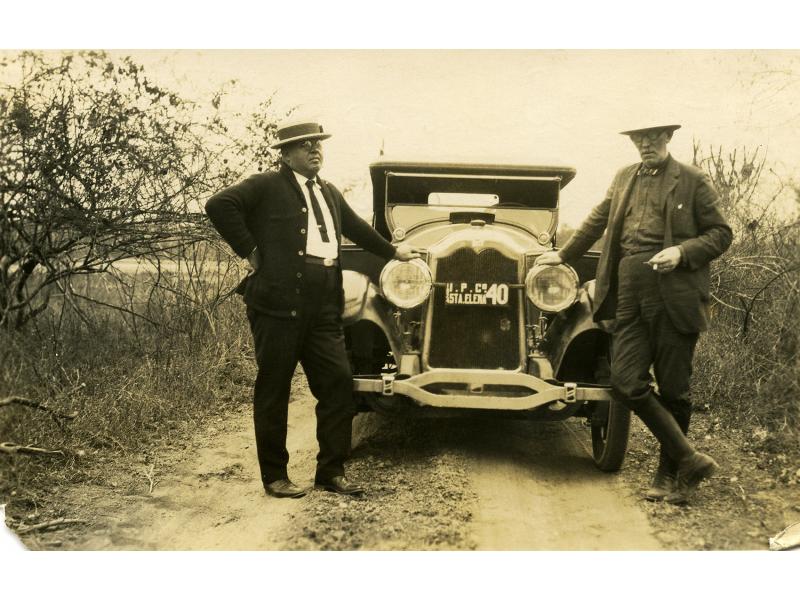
(669, 128)
(299, 138)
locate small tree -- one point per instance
(97, 164)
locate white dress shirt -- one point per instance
(314, 244)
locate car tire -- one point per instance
(610, 424)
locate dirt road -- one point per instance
(431, 484)
(538, 489)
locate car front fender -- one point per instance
(573, 325)
(363, 302)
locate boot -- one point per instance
(664, 479)
(667, 471)
(691, 471)
(693, 466)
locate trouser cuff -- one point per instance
(267, 479)
(328, 474)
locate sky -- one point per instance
(519, 106)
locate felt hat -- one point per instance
(669, 128)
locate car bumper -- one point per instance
(503, 393)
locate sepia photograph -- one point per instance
(333, 299)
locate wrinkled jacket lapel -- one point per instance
(298, 193)
(626, 185)
(326, 193)
(669, 183)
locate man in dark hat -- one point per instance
(663, 226)
(289, 225)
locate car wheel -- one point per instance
(610, 424)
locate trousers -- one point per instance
(645, 336)
(316, 340)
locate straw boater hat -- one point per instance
(297, 131)
(669, 128)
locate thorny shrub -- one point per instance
(99, 163)
(748, 366)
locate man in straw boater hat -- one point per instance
(663, 227)
(289, 224)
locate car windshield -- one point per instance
(408, 216)
(528, 202)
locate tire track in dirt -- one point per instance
(538, 489)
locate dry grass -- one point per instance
(134, 382)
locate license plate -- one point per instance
(484, 294)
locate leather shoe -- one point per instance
(283, 488)
(340, 485)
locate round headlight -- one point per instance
(552, 287)
(406, 284)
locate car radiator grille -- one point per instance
(475, 336)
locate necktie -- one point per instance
(323, 231)
(646, 171)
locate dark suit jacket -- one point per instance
(692, 220)
(268, 211)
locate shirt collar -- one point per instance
(657, 170)
(301, 179)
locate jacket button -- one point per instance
(299, 275)
(300, 253)
(294, 313)
(304, 209)
(303, 231)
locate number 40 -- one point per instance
(497, 293)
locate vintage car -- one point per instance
(474, 326)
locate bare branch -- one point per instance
(721, 301)
(50, 525)
(11, 448)
(9, 400)
(149, 473)
(119, 308)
